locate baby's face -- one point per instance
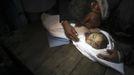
(96, 40)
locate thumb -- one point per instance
(110, 51)
(105, 57)
(74, 31)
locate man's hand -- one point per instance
(70, 31)
(112, 56)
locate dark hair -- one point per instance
(79, 8)
(104, 40)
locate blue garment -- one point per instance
(57, 41)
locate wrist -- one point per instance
(64, 22)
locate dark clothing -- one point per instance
(121, 20)
(37, 5)
(63, 8)
(12, 15)
(34, 8)
(127, 53)
(122, 15)
(73, 10)
(121, 25)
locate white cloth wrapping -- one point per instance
(54, 27)
(91, 52)
(56, 35)
(51, 23)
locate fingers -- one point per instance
(111, 56)
(74, 35)
(105, 57)
(110, 51)
(73, 38)
(70, 32)
(74, 32)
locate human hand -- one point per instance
(70, 31)
(112, 56)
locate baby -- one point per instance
(96, 39)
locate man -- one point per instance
(121, 25)
(118, 21)
(80, 12)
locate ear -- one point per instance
(93, 4)
(87, 34)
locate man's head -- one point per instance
(78, 9)
(96, 40)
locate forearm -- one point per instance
(64, 10)
(65, 23)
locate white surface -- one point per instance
(52, 24)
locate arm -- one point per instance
(126, 53)
(64, 19)
(122, 53)
(63, 10)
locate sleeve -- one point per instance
(126, 53)
(113, 5)
(64, 10)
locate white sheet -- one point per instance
(91, 52)
(51, 23)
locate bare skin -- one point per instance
(92, 20)
(112, 56)
(70, 31)
(96, 40)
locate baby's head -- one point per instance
(96, 39)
